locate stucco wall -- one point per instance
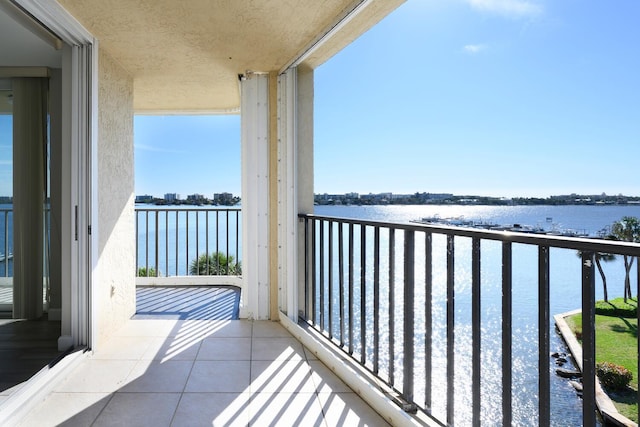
(114, 284)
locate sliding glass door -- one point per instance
(6, 193)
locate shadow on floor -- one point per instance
(188, 303)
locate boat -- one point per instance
(516, 227)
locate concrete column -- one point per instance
(304, 148)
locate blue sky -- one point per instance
(490, 97)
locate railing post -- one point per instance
(588, 340)
(146, 260)
(476, 327)
(428, 317)
(177, 243)
(321, 280)
(166, 243)
(206, 241)
(186, 257)
(157, 241)
(330, 281)
(408, 315)
(314, 252)
(306, 268)
(363, 293)
(376, 299)
(350, 290)
(392, 304)
(450, 329)
(507, 303)
(227, 234)
(544, 382)
(237, 235)
(341, 279)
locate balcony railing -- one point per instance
(456, 321)
(170, 240)
(6, 242)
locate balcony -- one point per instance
(463, 311)
(465, 314)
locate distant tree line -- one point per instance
(450, 199)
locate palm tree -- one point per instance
(628, 230)
(215, 264)
(600, 258)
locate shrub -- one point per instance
(143, 272)
(216, 264)
(617, 308)
(613, 377)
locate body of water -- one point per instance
(565, 295)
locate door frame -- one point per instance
(79, 128)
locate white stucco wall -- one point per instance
(114, 281)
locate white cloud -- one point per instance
(509, 8)
(474, 48)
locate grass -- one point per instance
(616, 342)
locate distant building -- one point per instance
(225, 199)
(439, 196)
(144, 199)
(171, 197)
(195, 198)
(222, 196)
(401, 196)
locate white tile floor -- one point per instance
(202, 373)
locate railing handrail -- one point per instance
(162, 208)
(553, 241)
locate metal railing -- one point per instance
(170, 241)
(6, 247)
(397, 300)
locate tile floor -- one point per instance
(202, 373)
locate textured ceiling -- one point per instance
(185, 55)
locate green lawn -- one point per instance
(616, 342)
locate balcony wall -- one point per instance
(114, 281)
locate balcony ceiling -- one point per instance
(185, 56)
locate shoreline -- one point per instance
(604, 404)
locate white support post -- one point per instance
(255, 196)
(287, 195)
